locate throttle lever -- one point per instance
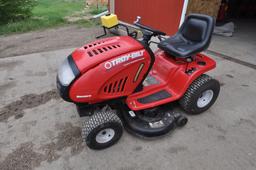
(138, 19)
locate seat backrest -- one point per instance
(198, 28)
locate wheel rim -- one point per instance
(105, 135)
(205, 98)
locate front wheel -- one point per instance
(102, 130)
(201, 95)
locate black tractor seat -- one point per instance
(193, 36)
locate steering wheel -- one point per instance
(153, 31)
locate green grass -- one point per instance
(47, 13)
(94, 10)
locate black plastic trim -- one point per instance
(160, 95)
(64, 90)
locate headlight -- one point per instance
(65, 73)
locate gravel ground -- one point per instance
(41, 131)
(46, 40)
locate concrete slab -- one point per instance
(40, 131)
(242, 45)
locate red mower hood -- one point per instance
(90, 55)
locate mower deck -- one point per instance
(153, 123)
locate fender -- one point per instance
(173, 78)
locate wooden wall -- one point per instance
(209, 7)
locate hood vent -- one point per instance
(116, 86)
(93, 44)
(96, 51)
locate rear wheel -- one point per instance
(102, 130)
(201, 95)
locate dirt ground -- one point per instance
(46, 40)
(38, 130)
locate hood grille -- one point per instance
(93, 50)
(116, 86)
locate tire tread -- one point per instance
(98, 119)
(187, 98)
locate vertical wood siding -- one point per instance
(160, 14)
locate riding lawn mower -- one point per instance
(118, 82)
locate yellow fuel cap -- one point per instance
(109, 20)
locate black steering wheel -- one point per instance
(153, 31)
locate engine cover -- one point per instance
(110, 68)
(90, 55)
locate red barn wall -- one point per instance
(160, 14)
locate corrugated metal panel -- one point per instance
(160, 14)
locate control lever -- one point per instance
(137, 20)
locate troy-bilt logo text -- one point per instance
(110, 64)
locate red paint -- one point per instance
(81, 55)
(96, 77)
(102, 84)
(171, 74)
(160, 14)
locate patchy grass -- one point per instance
(97, 10)
(47, 13)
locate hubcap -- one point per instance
(205, 99)
(105, 135)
